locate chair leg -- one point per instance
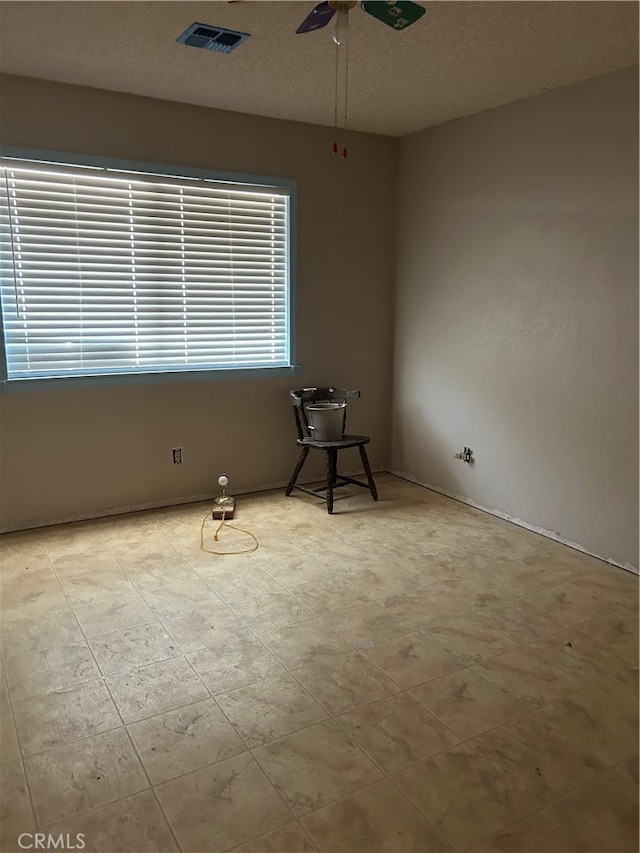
(334, 467)
(367, 471)
(331, 466)
(298, 468)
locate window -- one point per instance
(127, 271)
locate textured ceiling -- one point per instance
(460, 58)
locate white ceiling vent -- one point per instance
(212, 38)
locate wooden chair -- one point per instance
(301, 399)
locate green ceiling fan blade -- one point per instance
(399, 15)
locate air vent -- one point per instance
(212, 38)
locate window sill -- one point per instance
(122, 379)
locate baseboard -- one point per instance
(549, 534)
(266, 487)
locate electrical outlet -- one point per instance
(465, 456)
(177, 455)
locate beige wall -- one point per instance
(85, 451)
(516, 304)
(517, 311)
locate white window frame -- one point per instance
(157, 374)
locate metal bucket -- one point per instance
(326, 420)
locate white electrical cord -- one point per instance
(223, 481)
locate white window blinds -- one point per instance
(109, 272)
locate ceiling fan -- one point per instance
(397, 15)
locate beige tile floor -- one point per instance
(410, 675)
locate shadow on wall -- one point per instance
(434, 451)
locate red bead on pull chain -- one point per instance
(345, 153)
(335, 148)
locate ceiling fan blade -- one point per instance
(319, 17)
(398, 15)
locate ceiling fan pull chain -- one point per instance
(345, 153)
(334, 148)
(346, 83)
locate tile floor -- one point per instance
(411, 675)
